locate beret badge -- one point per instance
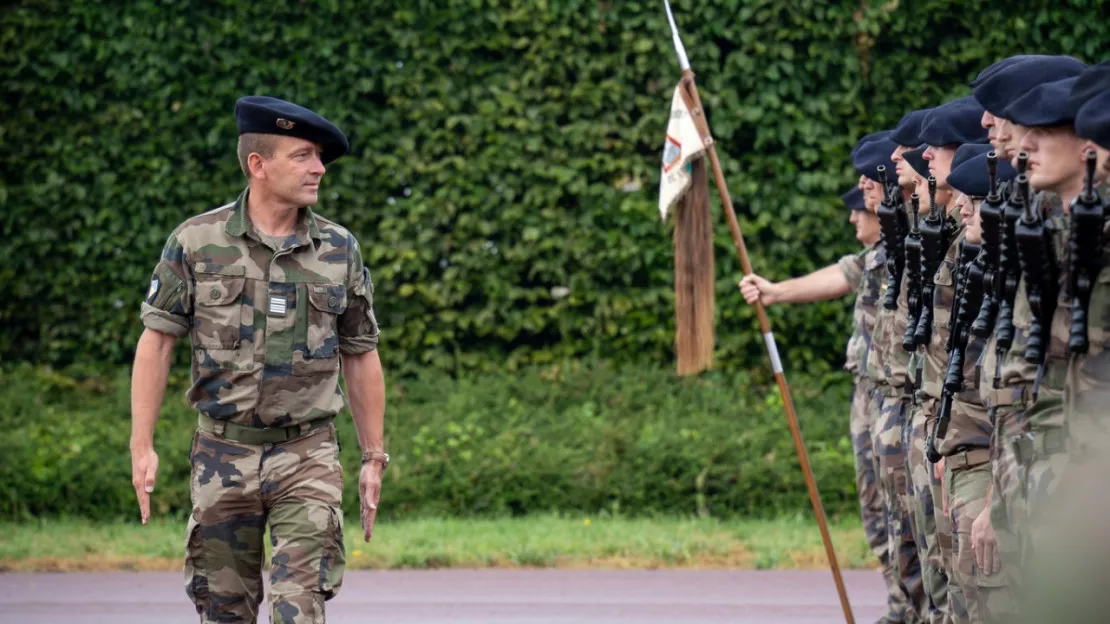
(285, 124)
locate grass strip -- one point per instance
(545, 541)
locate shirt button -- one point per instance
(216, 293)
(331, 302)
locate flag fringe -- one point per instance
(694, 275)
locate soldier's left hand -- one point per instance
(984, 544)
(369, 490)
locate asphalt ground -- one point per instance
(475, 596)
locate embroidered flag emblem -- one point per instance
(155, 284)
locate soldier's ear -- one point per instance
(256, 166)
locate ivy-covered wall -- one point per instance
(503, 180)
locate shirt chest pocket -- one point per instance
(218, 314)
(318, 336)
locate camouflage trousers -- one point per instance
(1006, 509)
(968, 489)
(895, 488)
(932, 527)
(871, 506)
(295, 487)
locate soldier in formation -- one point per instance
(985, 357)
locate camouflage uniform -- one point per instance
(887, 364)
(267, 323)
(863, 272)
(933, 525)
(1067, 563)
(1042, 451)
(967, 476)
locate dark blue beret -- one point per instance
(916, 159)
(1044, 105)
(853, 199)
(266, 115)
(908, 130)
(868, 156)
(967, 151)
(1003, 64)
(972, 176)
(955, 122)
(867, 138)
(1093, 120)
(1094, 80)
(1005, 85)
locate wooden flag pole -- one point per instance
(764, 324)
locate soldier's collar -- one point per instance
(239, 225)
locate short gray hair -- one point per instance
(251, 142)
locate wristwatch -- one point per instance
(381, 458)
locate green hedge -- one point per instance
(501, 149)
(566, 438)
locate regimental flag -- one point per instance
(687, 138)
(684, 186)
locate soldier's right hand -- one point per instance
(755, 288)
(144, 468)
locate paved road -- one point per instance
(475, 597)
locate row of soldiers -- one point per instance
(982, 321)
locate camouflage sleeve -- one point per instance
(852, 267)
(358, 328)
(168, 307)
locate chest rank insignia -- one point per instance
(278, 305)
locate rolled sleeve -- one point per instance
(358, 327)
(168, 305)
(852, 267)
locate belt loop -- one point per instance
(305, 427)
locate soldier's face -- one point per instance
(989, 122)
(921, 187)
(867, 226)
(1013, 144)
(969, 214)
(1002, 138)
(902, 168)
(872, 194)
(940, 162)
(1053, 161)
(294, 173)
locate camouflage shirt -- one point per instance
(266, 325)
(872, 289)
(886, 353)
(862, 270)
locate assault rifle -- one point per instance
(990, 218)
(935, 232)
(1087, 214)
(1038, 264)
(969, 296)
(914, 276)
(892, 224)
(1010, 273)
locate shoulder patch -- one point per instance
(151, 292)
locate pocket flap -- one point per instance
(328, 297)
(217, 292)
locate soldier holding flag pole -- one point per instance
(686, 92)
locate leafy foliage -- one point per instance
(562, 438)
(503, 150)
